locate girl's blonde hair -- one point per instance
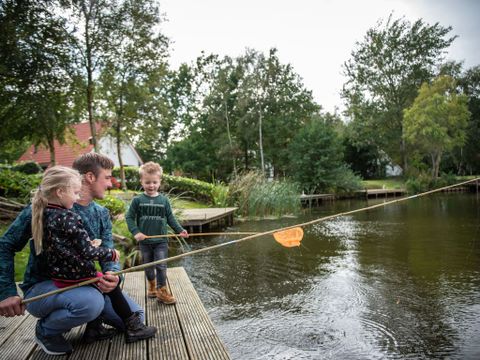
(150, 168)
(56, 177)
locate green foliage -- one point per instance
(437, 120)
(255, 196)
(316, 158)
(114, 205)
(29, 167)
(18, 185)
(200, 190)
(385, 70)
(424, 182)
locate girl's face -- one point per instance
(150, 184)
(70, 195)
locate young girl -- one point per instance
(70, 254)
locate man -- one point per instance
(61, 312)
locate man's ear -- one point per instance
(89, 177)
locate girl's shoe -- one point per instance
(137, 330)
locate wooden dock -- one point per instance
(185, 330)
(376, 193)
(315, 199)
(191, 218)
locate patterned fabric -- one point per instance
(67, 246)
(96, 220)
(150, 215)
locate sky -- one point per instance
(315, 36)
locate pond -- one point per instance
(398, 282)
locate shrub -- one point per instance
(29, 167)
(18, 185)
(199, 190)
(113, 204)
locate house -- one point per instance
(80, 142)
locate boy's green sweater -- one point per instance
(150, 215)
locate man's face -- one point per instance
(101, 183)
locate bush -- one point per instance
(114, 205)
(199, 190)
(18, 185)
(29, 167)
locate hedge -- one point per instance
(199, 190)
(17, 184)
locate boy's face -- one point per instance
(150, 183)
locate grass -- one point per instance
(390, 183)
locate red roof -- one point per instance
(64, 154)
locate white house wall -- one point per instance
(108, 147)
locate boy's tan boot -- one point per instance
(152, 288)
(163, 295)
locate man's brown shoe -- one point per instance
(164, 296)
(152, 288)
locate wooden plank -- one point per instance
(197, 217)
(134, 285)
(169, 342)
(9, 325)
(20, 343)
(200, 335)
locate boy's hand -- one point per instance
(184, 234)
(139, 236)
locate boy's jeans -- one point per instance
(61, 312)
(153, 252)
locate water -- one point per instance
(400, 282)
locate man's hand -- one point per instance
(184, 234)
(12, 306)
(139, 236)
(108, 282)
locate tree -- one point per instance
(383, 75)
(316, 159)
(133, 69)
(470, 84)
(93, 23)
(38, 80)
(437, 120)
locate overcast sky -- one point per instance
(315, 36)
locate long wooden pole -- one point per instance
(250, 237)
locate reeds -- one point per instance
(256, 196)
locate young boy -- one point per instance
(149, 214)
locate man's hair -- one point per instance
(92, 162)
(150, 168)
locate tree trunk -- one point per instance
(230, 141)
(51, 149)
(90, 80)
(119, 154)
(260, 142)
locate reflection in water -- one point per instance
(400, 282)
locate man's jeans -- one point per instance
(61, 312)
(154, 252)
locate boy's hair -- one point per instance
(150, 168)
(92, 162)
(56, 177)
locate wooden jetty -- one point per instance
(376, 193)
(185, 330)
(191, 218)
(315, 199)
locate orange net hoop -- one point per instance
(289, 237)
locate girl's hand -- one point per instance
(184, 234)
(140, 236)
(95, 242)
